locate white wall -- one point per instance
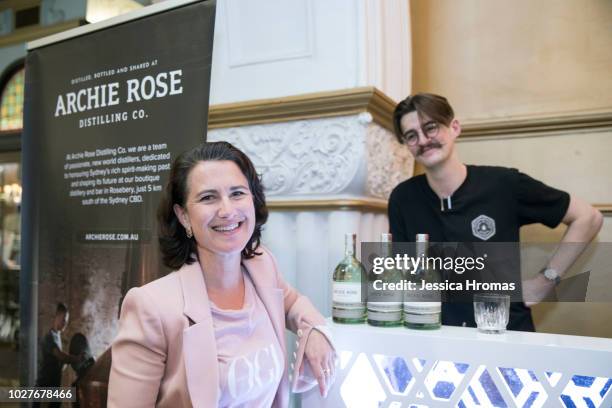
(274, 48)
(575, 161)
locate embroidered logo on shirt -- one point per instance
(483, 227)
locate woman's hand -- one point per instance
(322, 359)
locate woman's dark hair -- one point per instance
(435, 107)
(79, 345)
(176, 248)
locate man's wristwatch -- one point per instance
(551, 274)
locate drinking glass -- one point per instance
(491, 312)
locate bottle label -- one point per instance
(422, 296)
(385, 317)
(384, 307)
(346, 294)
(384, 296)
(385, 311)
(348, 313)
(422, 307)
(429, 318)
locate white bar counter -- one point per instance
(461, 367)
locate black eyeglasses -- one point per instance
(429, 130)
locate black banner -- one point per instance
(105, 114)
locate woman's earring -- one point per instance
(188, 232)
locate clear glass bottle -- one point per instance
(348, 286)
(384, 303)
(422, 308)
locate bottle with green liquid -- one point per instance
(385, 305)
(348, 304)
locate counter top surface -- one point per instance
(460, 366)
(470, 333)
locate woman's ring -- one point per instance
(325, 371)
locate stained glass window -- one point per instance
(11, 105)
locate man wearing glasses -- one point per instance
(454, 202)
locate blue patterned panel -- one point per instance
(461, 367)
(585, 391)
(444, 378)
(482, 392)
(419, 363)
(606, 387)
(512, 380)
(396, 372)
(524, 386)
(443, 390)
(553, 378)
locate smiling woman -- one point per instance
(212, 332)
(219, 208)
(199, 180)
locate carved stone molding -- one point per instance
(606, 209)
(389, 163)
(306, 157)
(380, 106)
(308, 106)
(541, 125)
(325, 158)
(373, 205)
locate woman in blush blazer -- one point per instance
(212, 333)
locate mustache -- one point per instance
(431, 145)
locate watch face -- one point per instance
(550, 274)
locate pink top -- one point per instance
(250, 358)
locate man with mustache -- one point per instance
(454, 202)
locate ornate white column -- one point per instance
(301, 86)
(323, 176)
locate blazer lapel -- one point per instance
(262, 271)
(199, 344)
(271, 296)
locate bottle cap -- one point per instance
(422, 237)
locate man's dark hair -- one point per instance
(60, 308)
(433, 106)
(176, 248)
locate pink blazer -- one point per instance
(165, 353)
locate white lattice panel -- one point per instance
(459, 367)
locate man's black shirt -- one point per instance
(490, 206)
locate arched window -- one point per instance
(11, 99)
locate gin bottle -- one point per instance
(348, 286)
(384, 293)
(422, 307)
